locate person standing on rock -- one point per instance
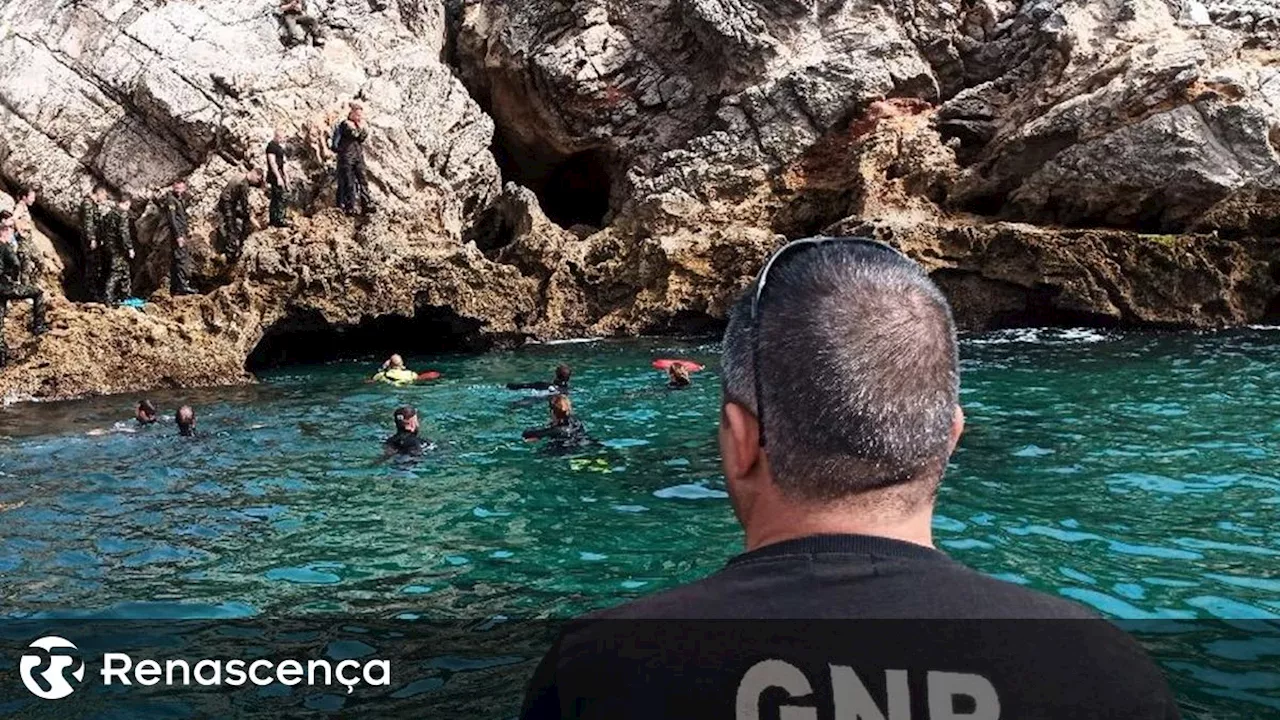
(349, 146)
(117, 252)
(90, 220)
(298, 23)
(235, 218)
(174, 206)
(25, 229)
(277, 181)
(12, 286)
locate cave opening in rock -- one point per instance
(981, 304)
(304, 337)
(572, 190)
(689, 323)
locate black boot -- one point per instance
(39, 322)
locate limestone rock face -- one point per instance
(556, 168)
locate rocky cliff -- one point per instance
(552, 168)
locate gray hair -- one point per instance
(859, 370)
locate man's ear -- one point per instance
(740, 446)
(957, 429)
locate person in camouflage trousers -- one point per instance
(235, 217)
(173, 205)
(24, 227)
(12, 286)
(117, 251)
(90, 222)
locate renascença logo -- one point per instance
(44, 673)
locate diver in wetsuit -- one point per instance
(559, 385)
(145, 413)
(406, 440)
(678, 376)
(565, 433)
(186, 419)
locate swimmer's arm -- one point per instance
(530, 386)
(537, 433)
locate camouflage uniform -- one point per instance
(117, 246)
(175, 213)
(90, 223)
(234, 218)
(29, 256)
(12, 287)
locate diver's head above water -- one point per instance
(853, 351)
(563, 375)
(395, 362)
(406, 419)
(679, 375)
(145, 413)
(561, 409)
(186, 419)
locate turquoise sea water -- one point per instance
(1136, 473)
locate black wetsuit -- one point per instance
(352, 186)
(235, 218)
(564, 436)
(405, 443)
(275, 184)
(188, 431)
(560, 388)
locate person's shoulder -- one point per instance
(970, 594)
(779, 588)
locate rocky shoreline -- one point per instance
(551, 169)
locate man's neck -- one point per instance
(853, 518)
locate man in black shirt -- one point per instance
(406, 440)
(277, 181)
(840, 412)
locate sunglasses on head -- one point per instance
(790, 249)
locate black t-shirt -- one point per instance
(843, 626)
(405, 443)
(277, 150)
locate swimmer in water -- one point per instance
(186, 419)
(560, 385)
(678, 376)
(145, 413)
(566, 431)
(406, 440)
(394, 372)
